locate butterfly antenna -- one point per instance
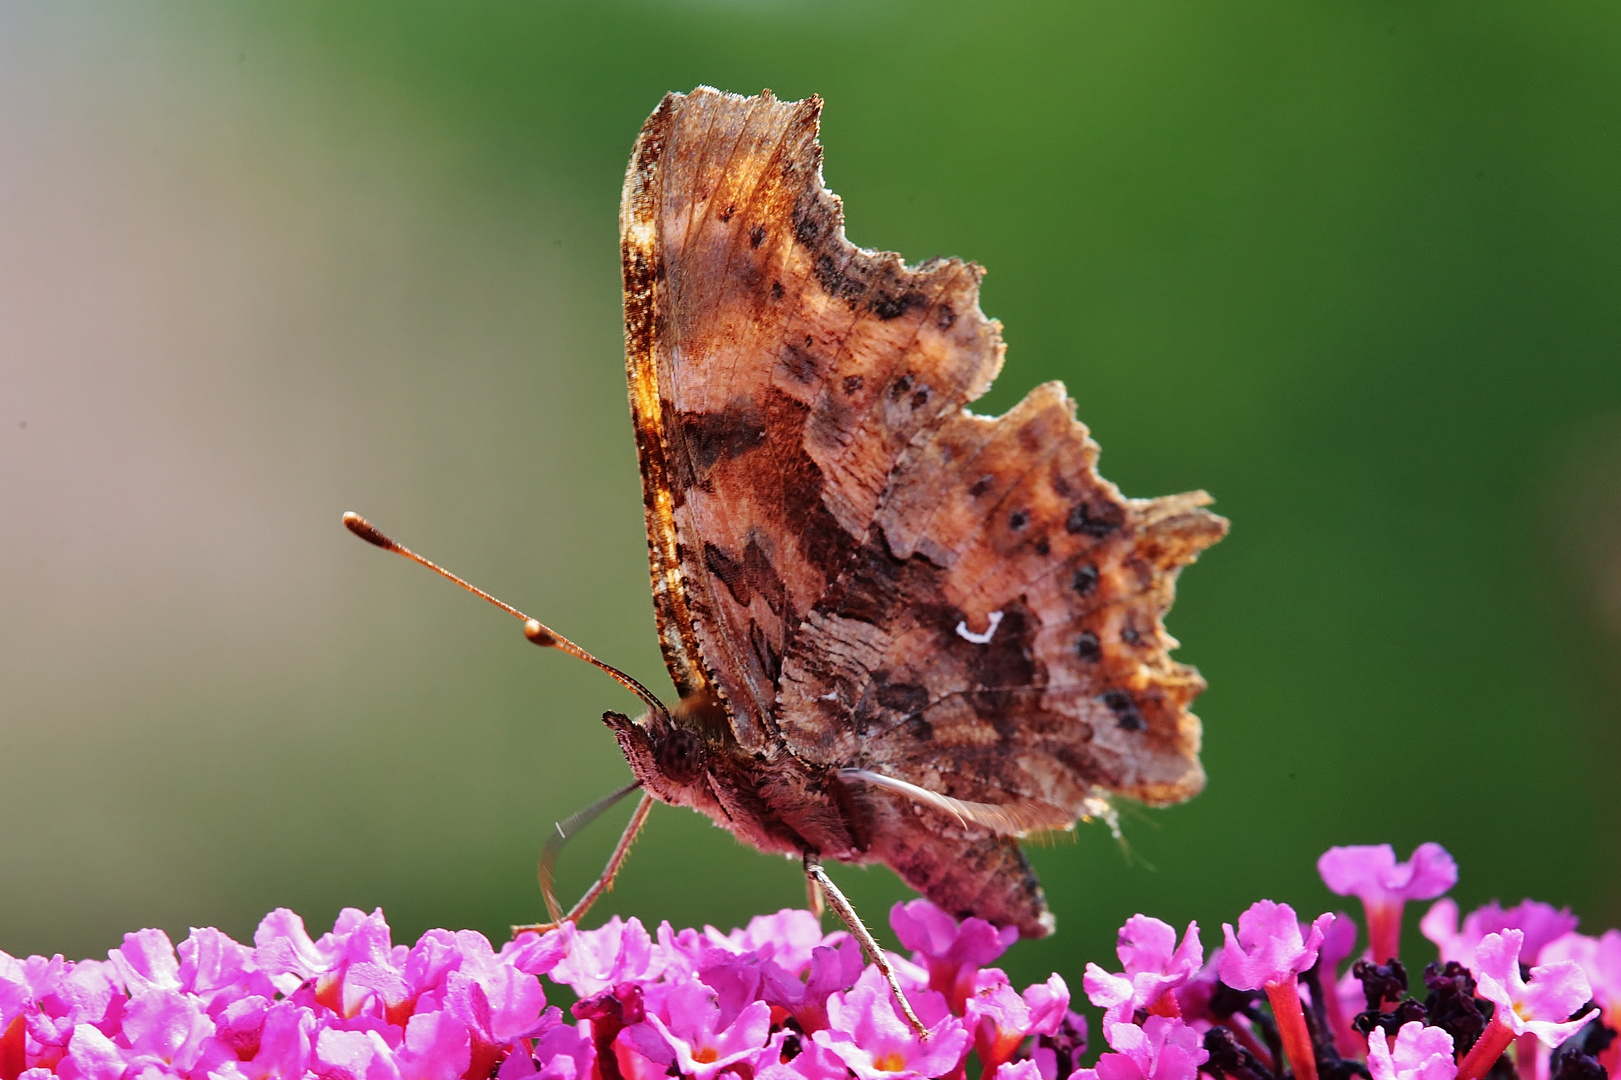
(533, 629)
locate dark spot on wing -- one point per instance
(749, 275)
(1001, 668)
(920, 398)
(888, 306)
(776, 290)
(726, 214)
(1043, 548)
(823, 543)
(852, 383)
(710, 438)
(919, 728)
(1096, 521)
(765, 654)
(902, 387)
(982, 485)
(730, 572)
(1017, 520)
(1085, 579)
(828, 274)
(756, 236)
(945, 317)
(809, 222)
(903, 697)
(1087, 647)
(1126, 714)
(843, 280)
(752, 575)
(800, 364)
(876, 587)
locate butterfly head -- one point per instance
(671, 759)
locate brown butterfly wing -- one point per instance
(777, 375)
(998, 639)
(998, 636)
(866, 574)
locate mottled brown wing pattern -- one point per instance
(777, 375)
(998, 636)
(852, 572)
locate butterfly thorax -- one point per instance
(771, 799)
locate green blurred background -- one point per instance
(1352, 267)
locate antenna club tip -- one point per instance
(539, 634)
(365, 530)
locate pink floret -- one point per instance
(1163, 1048)
(1420, 1053)
(696, 1037)
(1269, 948)
(924, 928)
(618, 951)
(1540, 923)
(1018, 1070)
(1000, 1019)
(146, 961)
(872, 1039)
(1539, 1007)
(1154, 967)
(1600, 960)
(1372, 874)
(949, 950)
(787, 938)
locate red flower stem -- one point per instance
(1487, 1049)
(1384, 931)
(1285, 998)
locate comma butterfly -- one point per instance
(899, 632)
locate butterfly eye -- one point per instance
(681, 756)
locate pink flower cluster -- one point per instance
(1272, 998)
(1516, 992)
(778, 1000)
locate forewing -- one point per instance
(777, 376)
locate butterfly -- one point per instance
(899, 632)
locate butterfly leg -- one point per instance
(813, 897)
(566, 830)
(842, 907)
